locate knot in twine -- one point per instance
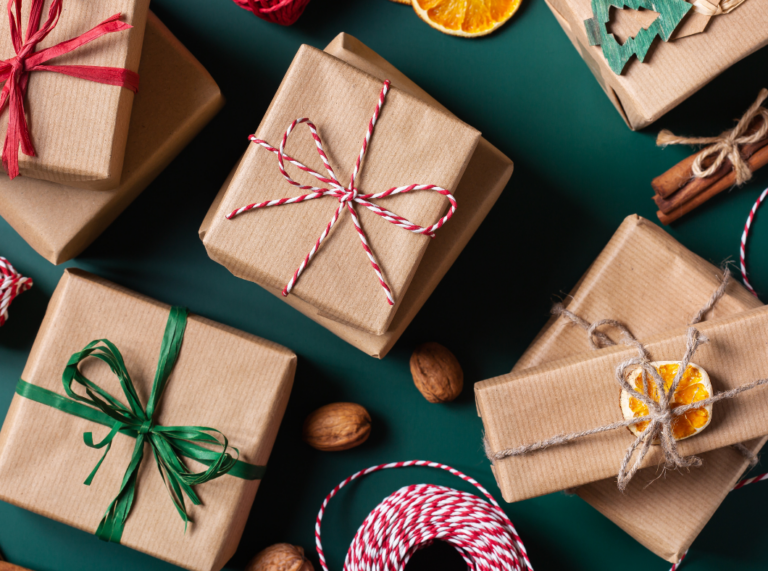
(283, 12)
(15, 70)
(660, 414)
(727, 145)
(12, 283)
(347, 197)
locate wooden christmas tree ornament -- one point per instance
(671, 13)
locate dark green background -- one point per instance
(578, 172)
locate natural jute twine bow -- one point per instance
(347, 197)
(15, 71)
(727, 145)
(660, 415)
(12, 283)
(168, 443)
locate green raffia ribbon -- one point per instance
(168, 442)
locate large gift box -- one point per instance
(230, 381)
(667, 515)
(700, 49)
(178, 97)
(487, 173)
(71, 94)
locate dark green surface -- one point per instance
(579, 171)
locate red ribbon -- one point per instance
(15, 71)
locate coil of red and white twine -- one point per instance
(283, 12)
(12, 283)
(745, 236)
(348, 197)
(415, 516)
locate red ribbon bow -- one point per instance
(347, 197)
(15, 71)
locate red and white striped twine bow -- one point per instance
(415, 516)
(347, 196)
(745, 235)
(12, 283)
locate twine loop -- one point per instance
(348, 196)
(660, 414)
(727, 145)
(12, 283)
(715, 8)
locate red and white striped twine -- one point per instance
(415, 516)
(347, 197)
(745, 235)
(12, 283)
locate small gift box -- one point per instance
(199, 401)
(701, 47)
(486, 175)
(666, 518)
(69, 68)
(616, 285)
(178, 98)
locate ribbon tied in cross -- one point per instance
(15, 71)
(347, 196)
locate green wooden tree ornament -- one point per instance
(671, 13)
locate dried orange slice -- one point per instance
(693, 387)
(466, 18)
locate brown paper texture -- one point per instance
(414, 142)
(537, 404)
(667, 516)
(486, 176)
(178, 98)
(224, 378)
(675, 70)
(79, 128)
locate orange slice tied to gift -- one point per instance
(694, 386)
(466, 18)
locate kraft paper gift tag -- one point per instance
(662, 517)
(484, 179)
(226, 379)
(178, 97)
(413, 143)
(79, 127)
(665, 518)
(674, 70)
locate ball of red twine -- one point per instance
(283, 12)
(12, 283)
(415, 516)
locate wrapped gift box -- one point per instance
(674, 70)
(484, 179)
(178, 97)
(667, 516)
(224, 378)
(78, 127)
(413, 143)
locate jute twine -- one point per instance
(727, 145)
(715, 8)
(660, 414)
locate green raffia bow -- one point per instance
(168, 442)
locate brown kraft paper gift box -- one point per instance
(224, 378)
(674, 70)
(663, 517)
(484, 179)
(78, 127)
(178, 97)
(413, 143)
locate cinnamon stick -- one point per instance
(758, 160)
(698, 185)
